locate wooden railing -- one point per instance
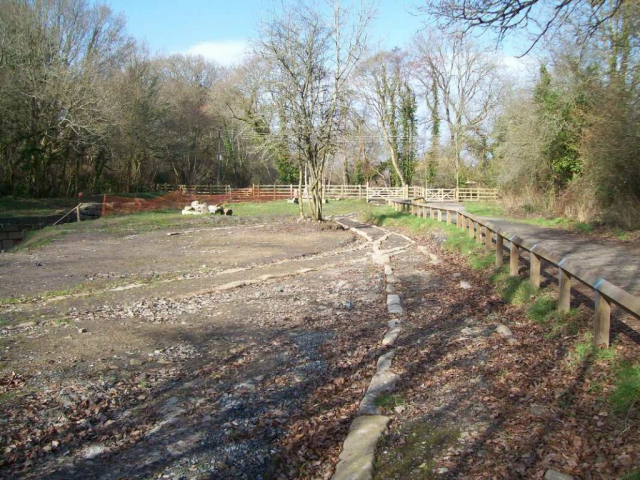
(368, 192)
(605, 293)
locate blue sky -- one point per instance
(220, 29)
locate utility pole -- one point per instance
(219, 157)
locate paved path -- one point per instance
(618, 263)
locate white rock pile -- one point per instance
(197, 208)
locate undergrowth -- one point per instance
(540, 307)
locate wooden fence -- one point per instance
(362, 192)
(605, 293)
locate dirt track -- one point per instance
(207, 354)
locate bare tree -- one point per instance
(466, 83)
(383, 82)
(538, 17)
(311, 58)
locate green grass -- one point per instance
(388, 401)
(35, 207)
(484, 209)
(163, 219)
(456, 240)
(542, 309)
(584, 350)
(282, 208)
(514, 290)
(626, 392)
(530, 217)
(635, 475)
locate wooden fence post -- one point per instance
(499, 249)
(513, 258)
(534, 269)
(488, 244)
(564, 299)
(472, 231)
(478, 233)
(601, 320)
(78, 213)
(448, 217)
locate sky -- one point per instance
(221, 29)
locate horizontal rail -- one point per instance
(483, 231)
(368, 192)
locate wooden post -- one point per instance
(104, 205)
(478, 233)
(488, 244)
(360, 192)
(439, 215)
(534, 269)
(448, 217)
(499, 249)
(78, 212)
(601, 321)
(471, 226)
(564, 300)
(513, 259)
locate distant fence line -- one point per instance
(605, 293)
(362, 192)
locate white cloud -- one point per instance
(521, 70)
(225, 52)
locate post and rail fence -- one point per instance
(605, 293)
(361, 192)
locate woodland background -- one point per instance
(86, 108)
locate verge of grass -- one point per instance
(484, 209)
(455, 240)
(584, 350)
(635, 475)
(626, 392)
(515, 290)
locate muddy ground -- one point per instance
(243, 349)
(207, 354)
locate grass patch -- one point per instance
(542, 309)
(35, 207)
(583, 227)
(584, 350)
(164, 219)
(484, 209)
(415, 456)
(635, 475)
(626, 392)
(388, 401)
(515, 290)
(456, 240)
(35, 239)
